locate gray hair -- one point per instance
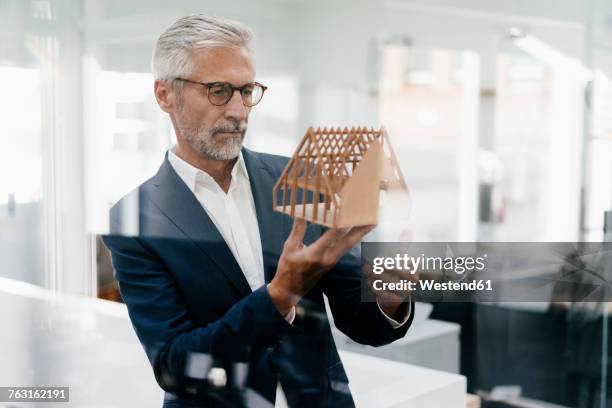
(172, 56)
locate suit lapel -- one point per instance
(181, 206)
(271, 224)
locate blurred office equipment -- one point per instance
(607, 229)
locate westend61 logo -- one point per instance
(413, 264)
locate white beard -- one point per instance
(205, 142)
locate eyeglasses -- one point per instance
(220, 93)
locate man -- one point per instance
(225, 295)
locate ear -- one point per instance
(165, 95)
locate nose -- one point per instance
(235, 108)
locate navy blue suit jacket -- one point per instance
(191, 305)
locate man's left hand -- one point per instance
(390, 301)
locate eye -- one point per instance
(248, 91)
(218, 90)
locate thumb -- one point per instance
(296, 236)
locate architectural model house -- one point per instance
(336, 176)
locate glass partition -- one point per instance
(500, 117)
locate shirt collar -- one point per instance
(191, 175)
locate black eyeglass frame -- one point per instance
(209, 85)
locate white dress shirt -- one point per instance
(233, 213)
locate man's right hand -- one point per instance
(301, 266)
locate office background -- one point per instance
(500, 113)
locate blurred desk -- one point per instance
(429, 343)
(83, 343)
(89, 345)
(381, 383)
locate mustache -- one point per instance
(230, 127)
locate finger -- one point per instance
(351, 238)
(328, 239)
(364, 228)
(397, 274)
(296, 236)
(369, 274)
